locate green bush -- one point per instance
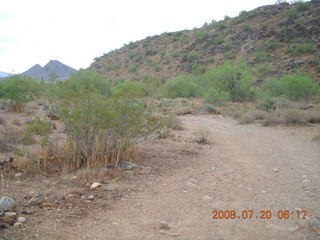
(39, 127)
(182, 86)
(291, 14)
(229, 55)
(261, 56)
(293, 86)
(301, 49)
(79, 84)
(133, 68)
(131, 90)
(233, 78)
(216, 97)
(246, 27)
(218, 40)
(302, 6)
(200, 35)
(19, 89)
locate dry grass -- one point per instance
(172, 122)
(8, 138)
(251, 116)
(201, 136)
(100, 174)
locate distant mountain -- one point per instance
(4, 74)
(52, 70)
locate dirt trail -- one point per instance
(246, 167)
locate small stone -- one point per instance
(91, 197)
(22, 219)
(37, 199)
(206, 197)
(87, 235)
(275, 170)
(7, 204)
(263, 191)
(17, 175)
(145, 171)
(8, 220)
(110, 188)
(305, 180)
(192, 180)
(127, 166)
(27, 212)
(17, 225)
(95, 186)
(10, 214)
(315, 224)
(163, 225)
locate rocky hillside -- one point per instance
(51, 71)
(274, 39)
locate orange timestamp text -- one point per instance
(259, 214)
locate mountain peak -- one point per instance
(52, 68)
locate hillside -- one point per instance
(52, 70)
(274, 39)
(4, 74)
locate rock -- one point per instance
(146, 171)
(17, 225)
(110, 188)
(27, 212)
(315, 224)
(95, 186)
(206, 197)
(163, 225)
(22, 219)
(37, 199)
(7, 204)
(3, 226)
(127, 166)
(17, 175)
(10, 214)
(91, 197)
(275, 170)
(192, 180)
(8, 220)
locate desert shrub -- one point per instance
(191, 57)
(251, 117)
(314, 116)
(182, 86)
(302, 6)
(27, 138)
(131, 90)
(231, 77)
(261, 56)
(267, 104)
(133, 68)
(39, 127)
(99, 128)
(210, 108)
(8, 138)
(286, 117)
(246, 27)
(218, 40)
(172, 122)
(229, 55)
(201, 136)
(198, 69)
(297, 50)
(216, 97)
(79, 84)
(200, 35)
(291, 14)
(19, 90)
(293, 86)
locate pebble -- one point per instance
(17, 175)
(17, 225)
(22, 219)
(95, 186)
(146, 171)
(315, 224)
(37, 199)
(275, 170)
(91, 197)
(7, 204)
(10, 214)
(110, 188)
(163, 225)
(127, 165)
(206, 197)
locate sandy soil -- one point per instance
(246, 167)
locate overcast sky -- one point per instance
(76, 31)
